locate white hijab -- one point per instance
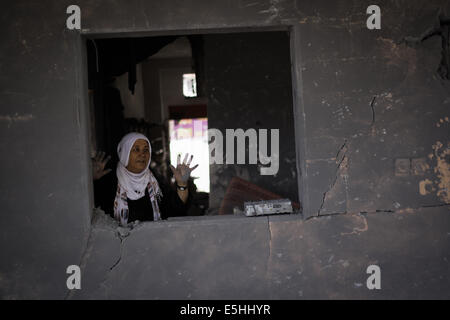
(132, 185)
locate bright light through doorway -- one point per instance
(191, 136)
(189, 85)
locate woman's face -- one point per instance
(139, 156)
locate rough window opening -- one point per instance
(236, 81)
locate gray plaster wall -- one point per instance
(365, 106)
(278, 257)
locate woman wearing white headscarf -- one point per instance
(138, 194)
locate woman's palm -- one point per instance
(182, 172)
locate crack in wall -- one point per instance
(122, 240)
(405, 210)
(400, 211)
(435, 205)
(102, 222)
(270, 236)
(338, 168)
(372, 124)
(121, 233)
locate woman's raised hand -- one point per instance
(98, 165)
(182, 172)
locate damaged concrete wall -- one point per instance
(376, 109)
(278, 257)
(371, 116)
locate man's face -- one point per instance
(139, 156)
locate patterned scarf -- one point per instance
(132, 185)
